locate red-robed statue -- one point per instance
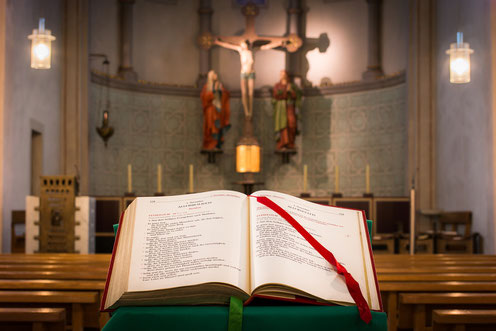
(216, 111)
(286, 98)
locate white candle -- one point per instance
(367, 179)
(305, 177)
(159, 178)
(129, 178)
(191, 188)
(336, 179)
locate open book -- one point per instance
(203, 248)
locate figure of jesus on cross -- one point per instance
(246, 54)
(246, 45)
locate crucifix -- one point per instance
(246, 45)
(247, 148)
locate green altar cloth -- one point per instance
(294, 317)
(254, 318)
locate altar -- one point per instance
(254, 318)
(258, 315)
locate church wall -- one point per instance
(104, 32)
(350, 130)
(165, 48)
(345, 23)
(394, 36)
(464, 135)
(32, 101)
(165, 42)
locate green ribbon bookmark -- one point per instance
(235, 315)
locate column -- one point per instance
(422, 103)
(205, 12)
(126, 40)
(374, 66)
(3, 10)
(491, 237)
(74, 109)
(294, 11)
(293, 60)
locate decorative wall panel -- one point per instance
(348, 130)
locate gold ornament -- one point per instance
(294, 42)
(206, 40)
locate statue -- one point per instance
(216, 111)
(286, 98)
(246, 52)
(246, 44)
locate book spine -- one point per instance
(111, 266)
(372, 261)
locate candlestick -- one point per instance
(336, 179)
(367, 179)
(191, 188)
(412, 221)
(305, 177)
(159, 178)
(129, 178)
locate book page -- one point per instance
(280, 255)
(190, 239)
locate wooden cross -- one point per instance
(291, 42)
(246, 45)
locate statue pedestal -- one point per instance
(286, 153)
(248, 186)
(248, 183)
(211, 153)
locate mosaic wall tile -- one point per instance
(348, 130)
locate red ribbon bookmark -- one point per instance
(351, 283)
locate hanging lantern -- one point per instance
(248, 151)
(459, 53)
(105, 131)
(41, 48)
(247, 157)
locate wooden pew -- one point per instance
(429, 277)
(396, 274)
(457, 319)
(431, 273)
(50, 284)
(432, 269)
(72, 256)
(451, 286)
(95, 319)
(52, 267)
(91, 259)
(67, 273)
(390, 291)
(396, 260)
(394, 264)
(436, 256)
(419, 305)
(76, 299)
(52, 319)
(77, 274)
(58, 285)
